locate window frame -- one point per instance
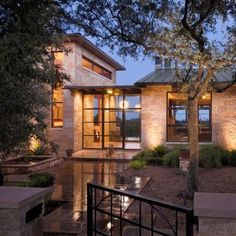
(185, 126)
(94, 64)
(52, 106)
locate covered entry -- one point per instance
(111, 116)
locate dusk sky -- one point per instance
(135, 69)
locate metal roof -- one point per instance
(168, 76)
(85, 43)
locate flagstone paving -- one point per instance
(71, 186)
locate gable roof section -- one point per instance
(168, 76)
(85, 43)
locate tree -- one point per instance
(178, 29)
(28, 30)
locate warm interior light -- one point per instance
(109, 225)
(109, 91)
(137, 106)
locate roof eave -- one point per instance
(94, 49)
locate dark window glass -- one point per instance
(132, 130)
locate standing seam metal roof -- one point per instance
(168, 76)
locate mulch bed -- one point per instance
(165, 183)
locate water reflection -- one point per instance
(72, 179)
(71, 186)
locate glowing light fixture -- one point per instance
(137, 106)
(109, 225)
(109, 91)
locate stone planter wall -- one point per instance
(216, 213)
(21, 211)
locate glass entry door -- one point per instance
(111, 120)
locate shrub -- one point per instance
(232, 158)
(41, 180)
(155, 161)
(171, 158)
(137, 164)
(159, 151)
(210, 156)
(44, 179)
(143, 155)
(40, 150)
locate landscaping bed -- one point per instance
(23, 165)
(165, 182)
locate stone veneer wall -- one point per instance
(154, 102)
(224, 118)
(153, 124)
(70, 136)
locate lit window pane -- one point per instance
(87, 64)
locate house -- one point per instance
(92, 112)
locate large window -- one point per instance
(57, 95)
(111, 120)
(177, 118)
(91, 65)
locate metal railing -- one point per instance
(109, 213)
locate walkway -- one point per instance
(71, 181)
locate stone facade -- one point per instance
(13, 211)
(216, 213)
(70, 135)
(154, 115)
(224, 118)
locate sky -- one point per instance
(135, 69)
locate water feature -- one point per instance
(71, 185)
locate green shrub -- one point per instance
(143, 155)
(137, 164)
(159, 151)
(171, 158)
(232, 158)
(41, 180)
(155, 161)
(44, 179)
(211, 156)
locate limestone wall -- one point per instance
(224, 118)
(153, 124)
(154, 113)
(70, 135)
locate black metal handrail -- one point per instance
(93, 208)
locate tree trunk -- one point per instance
(192, 181)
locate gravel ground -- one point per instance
(165, 183)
